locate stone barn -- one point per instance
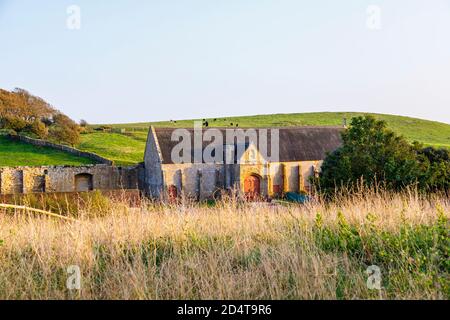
(301, 151)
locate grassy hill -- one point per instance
(126, 144)
(128, 147)
(122, 149)
(16, 153)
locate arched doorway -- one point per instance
(83, 182)
(173, 193)
(252, 187)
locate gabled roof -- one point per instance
(296, 143)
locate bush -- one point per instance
(32, 116)
(436, 168)
(83, 123)
(13, 123)
(37, 129)
(373, 154)
(64, 130)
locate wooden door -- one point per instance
(252, 188)
(173, 193)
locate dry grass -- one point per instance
(233, 251)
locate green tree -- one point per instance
(435, 165)
(370, 153)
(36, 129)
(64, 130)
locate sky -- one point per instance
(137, 61)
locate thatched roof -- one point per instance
(296, 143)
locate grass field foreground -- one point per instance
(234, 251)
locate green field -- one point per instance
(129, 148)
(15, 153)
(122, 149)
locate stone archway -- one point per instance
(252, 187)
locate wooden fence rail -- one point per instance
(50, 214)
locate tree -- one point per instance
(20, 104)
(435, 168)
(83, 123)
(370, 153)
(32, 116)
(38, 129)
(64, 130)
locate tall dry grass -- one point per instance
(233, 250)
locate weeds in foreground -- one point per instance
(233, 250)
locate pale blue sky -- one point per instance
(173, 59)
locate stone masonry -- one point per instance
(23, 180)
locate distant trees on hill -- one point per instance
(26, 114)
(371, 154)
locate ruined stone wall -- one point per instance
(11, 181)
(62, 178)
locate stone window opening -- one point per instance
(84, 182)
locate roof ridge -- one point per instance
(237, 128)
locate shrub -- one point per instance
(373, 154)
(37, 129)
(13, 123)
(64, 130)
(32, 116)
(435, 168)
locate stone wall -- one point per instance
(280, 176)
(200, 181)
(154, 181)
(76, 152)
(22, 180)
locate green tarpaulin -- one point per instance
(295, 197)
